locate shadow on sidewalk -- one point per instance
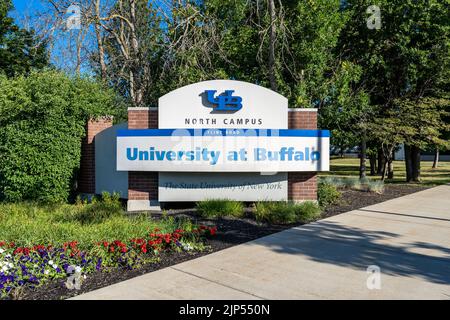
(330, 242)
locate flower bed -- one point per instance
(22, 267)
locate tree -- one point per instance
(426, 126)
(406, 59)
(417, 124)
(131, 44)
(20, 51)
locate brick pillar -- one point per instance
(302, 185)
(86, 177)
(142, 186)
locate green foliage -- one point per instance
(99, 210)
(286, 212)
(327, 194)
(215, 208)
(42, 123)
(20, 51)
(353, 183)
(376, 186)
(28, 224)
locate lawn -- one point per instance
(349, 167)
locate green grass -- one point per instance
(29, 224)
(286, 212)
(349, 167)
(215, 208)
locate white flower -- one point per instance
(78, 269)
(10, 265)
(55, 266)
(8, 256)
(1, 250)
(187, 247)
(46, 271)
(5, 268)
(50, 262)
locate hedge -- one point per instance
(42, 123)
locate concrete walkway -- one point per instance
(407, 237)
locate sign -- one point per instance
(223, 139)
(223, 104)
(223, 150)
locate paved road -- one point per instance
(408, 238)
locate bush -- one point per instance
(328, 194)
(286, 212)
(42, 123)
(100, 209)
(214, 208)
(355, 183)
(376, 186)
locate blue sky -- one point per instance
(62, 57)
(26, 6)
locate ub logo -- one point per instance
(225, 101)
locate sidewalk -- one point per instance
(407, 237)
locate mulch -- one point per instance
(231, 232)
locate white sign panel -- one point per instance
(223, 150)
(223, 104)
(238, 186)
(251, 106)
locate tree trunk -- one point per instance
(383, 171)
(101, 49)
(79, 46)
(272, 40)
(436, 158)
(373, 164)
(380, 162)
(390, 166)
(362, 160)
(415, 160)
(137, 85)
(408, 164)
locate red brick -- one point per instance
(302, 185)
(86, 177)
(142, 185)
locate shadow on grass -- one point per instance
(333, 243)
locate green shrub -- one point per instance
(42, 123)
(355, 183)
(327, 194)
(214, 208)
(100, 209)
(286, 212)
(376, 186)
